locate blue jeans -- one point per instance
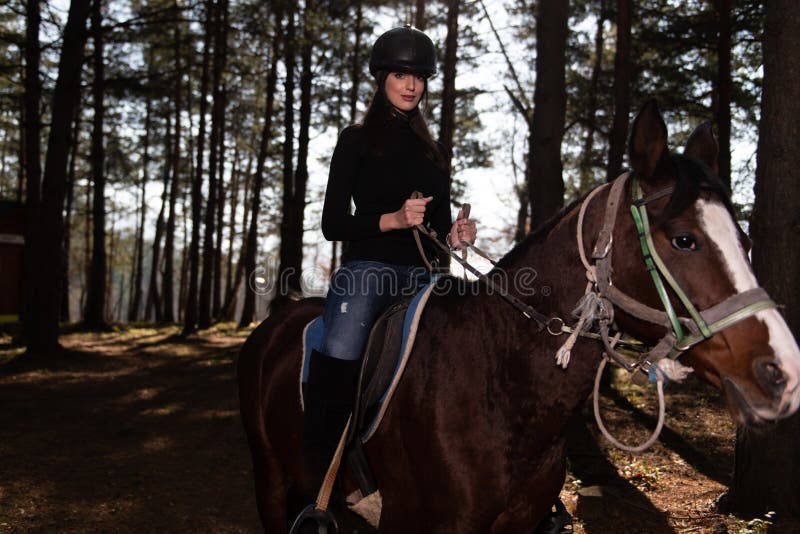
(359, 292)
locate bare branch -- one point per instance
(525, 111)
(527, 106)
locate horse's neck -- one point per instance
(553, 261)
(560, 282)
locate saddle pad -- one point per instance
(384, 349)
(384, 361)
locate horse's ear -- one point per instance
(703, 146)
(648, 140)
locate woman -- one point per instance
(377, 164)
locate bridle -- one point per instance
(683, 333)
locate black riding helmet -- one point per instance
(403, 49)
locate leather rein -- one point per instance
(526, 310)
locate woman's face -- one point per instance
(404, 90)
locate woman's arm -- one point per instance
(338, 224)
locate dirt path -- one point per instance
(138, 431)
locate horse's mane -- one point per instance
(691, 176)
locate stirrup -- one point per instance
(325, 522)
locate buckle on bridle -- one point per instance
(603, 245)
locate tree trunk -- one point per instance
(250, 249)
(191, 313)
(522, 229)
(234, 202)
(185, 210)
(87, 244)
(355, 65)
(96, 298)
(448, 116)
(587, 158)
(232, 297)
(65, 307)
(109, 287)
(6, 182)
(724, 88)
(21, 170)
(419, 15)
(22, 131)
(31, 165)
(355, 83)
(294, 181)
(622, 91)
(229, 309)
(152, 308)
(217, 117)
(767, 469)
(168, 280)
(521, 190)
(301, 171)
(42, 336)
(138, 275)
(216, 287)
(545, 183)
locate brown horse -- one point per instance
(474, 439)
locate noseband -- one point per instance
(682, 332)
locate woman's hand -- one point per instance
(410, 214)
(463, 233)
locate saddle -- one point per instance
(388, 349)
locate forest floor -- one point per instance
(138, 430)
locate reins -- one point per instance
(526, 310)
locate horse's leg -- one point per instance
(531, 502)
(270, 487)
(269, 477)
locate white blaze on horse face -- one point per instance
(721, 230)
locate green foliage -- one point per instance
(674, 58)
(12, 35)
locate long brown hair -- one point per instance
(380, 112)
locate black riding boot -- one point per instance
(329, 398)
(558, 521)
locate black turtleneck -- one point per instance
(379, 178)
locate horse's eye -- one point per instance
(684, 242)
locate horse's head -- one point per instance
(755, 360)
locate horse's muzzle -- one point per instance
(773, 401)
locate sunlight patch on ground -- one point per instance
(167, 409)
(157, 444)
(215, 414)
